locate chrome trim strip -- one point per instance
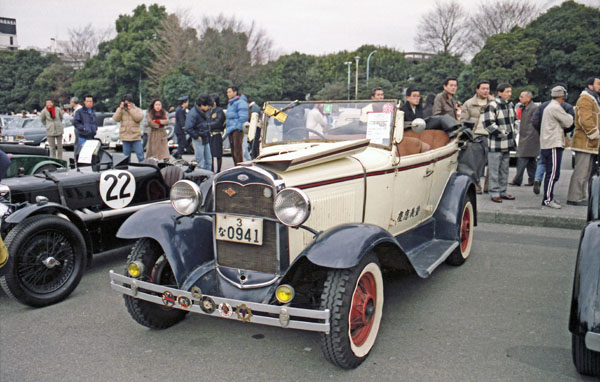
(135, 288)
(442, 258)
(243, 286)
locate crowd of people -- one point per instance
(544, 131)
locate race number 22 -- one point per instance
(117, 188)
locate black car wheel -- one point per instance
(46, 262)
(467, 223)
(156, 269)
(355, 299)
(587, 362)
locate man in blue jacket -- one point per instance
(85, 121)
(197, 125)
(237, 115)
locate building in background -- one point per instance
(8, 34)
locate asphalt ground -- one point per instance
(502, 316)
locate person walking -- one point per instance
(197, 125)
(51, 117)
(217, 127)
(130, 131)
(156, 120)
(445, 103)
(528, 147)
(180, 115)
(473, 110)
(237, 115)
(499, 121)
(585, 141)
(552, 142)
(85, 121)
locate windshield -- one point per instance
(329, 121)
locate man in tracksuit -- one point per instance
(552, 142)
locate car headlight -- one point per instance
(5, 193)
(185, 197)
(292, 207)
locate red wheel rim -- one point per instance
(362, 313)
(465, 230)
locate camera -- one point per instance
(126, 97)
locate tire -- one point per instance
(587, 362)
(462, 252)
(346, 293)
(156, 270)
(27, 278)
(171, 174)
(48, 167)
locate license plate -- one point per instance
(239, 229)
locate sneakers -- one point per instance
(536, 187)
(552, 204)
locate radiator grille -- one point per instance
(252, 199)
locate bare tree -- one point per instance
(499, 17)
(83, 43)
(259, 44)
(443, 28)
(176, 46)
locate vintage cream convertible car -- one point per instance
(298, 237)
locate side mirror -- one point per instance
(418, 125)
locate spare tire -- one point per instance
(171, 174)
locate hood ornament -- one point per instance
(230, 192)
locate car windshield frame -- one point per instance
(355, 114)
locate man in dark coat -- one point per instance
(85, 121)
(528, 147)
(412, 107)
(198, 127)
(180, 114)
(217, 126)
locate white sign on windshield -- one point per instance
(87, 151)
(378, 126)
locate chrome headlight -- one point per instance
(5, 192)
(185, 197)
(292, 207)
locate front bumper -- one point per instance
(265, 314)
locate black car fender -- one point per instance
(448, 214)
(187, 241)
(585, 302)
(344, 246)
(51, 208)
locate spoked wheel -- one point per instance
(355, 300)
(462, 252)
(156, 269)
(47, 260)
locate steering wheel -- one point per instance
(320, 135)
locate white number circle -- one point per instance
(117, 188)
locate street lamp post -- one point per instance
(369, 59)
(348, 63)
(356, 84)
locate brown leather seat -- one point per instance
(434, 138)
(411, 146)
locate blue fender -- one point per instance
(186, 240)
(585, 302)
(345, 245)
(593, 212)
(448, 214)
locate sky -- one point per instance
(307, 26)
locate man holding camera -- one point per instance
(130, 132)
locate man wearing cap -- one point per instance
(585, 140)
(180, 114)
(552, 141)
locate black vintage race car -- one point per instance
(584, 320)
(53, 222)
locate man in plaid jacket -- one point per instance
(499, 121)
